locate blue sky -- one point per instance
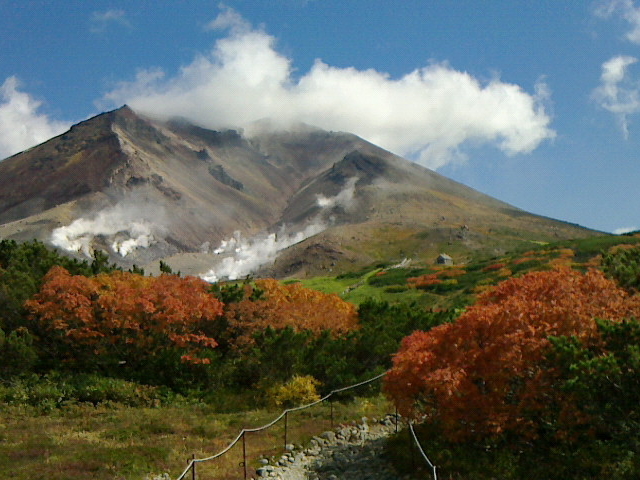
(534, 103)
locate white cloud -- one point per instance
(618, 93)
(427, 114)
(100, 20)
(21, 126)
(627, 10)
(229, 19)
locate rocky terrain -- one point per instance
(353, 452)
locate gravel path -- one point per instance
(350, 452)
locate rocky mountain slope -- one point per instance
(226, 203)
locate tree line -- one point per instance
(62, 319)
(539, 377)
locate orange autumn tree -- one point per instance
(485, 374)
(125, 317)
(294, 306)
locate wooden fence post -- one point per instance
(285, 428)
(397, 419)
(244, 454)
(331, 416)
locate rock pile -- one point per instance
(351, 452)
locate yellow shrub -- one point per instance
(300, 390)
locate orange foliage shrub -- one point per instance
(424, 280)
(564, 258)
(484, 374)
(429, 279)
(290, 306)
(452, 272)
(560, 262)
(127, 314)
(522, 260)
(622, 246)
(594, 262)
(494, 266)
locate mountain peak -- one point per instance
(144, 190)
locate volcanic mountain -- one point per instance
(144, 190)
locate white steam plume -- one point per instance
(247, 255)
(21, 126)
(244, 256)
(124, 226)
(344, 198)
(427, 114)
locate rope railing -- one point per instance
(421, 450)
(191, 467)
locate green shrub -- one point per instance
(96, 389)
(41, 392)
(17, 355)
(396, 276)
(54, 390)
(623, 265)
(396, 289)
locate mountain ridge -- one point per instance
(144, 191)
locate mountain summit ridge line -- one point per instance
(145, 191)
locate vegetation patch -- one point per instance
(105, 373)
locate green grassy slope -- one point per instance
(460, 283)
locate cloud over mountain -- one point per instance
(303, 202)
(427, 114)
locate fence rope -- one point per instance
(294, 409)
(421, 450)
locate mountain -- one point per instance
(144, 191)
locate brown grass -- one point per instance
(80, 442)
